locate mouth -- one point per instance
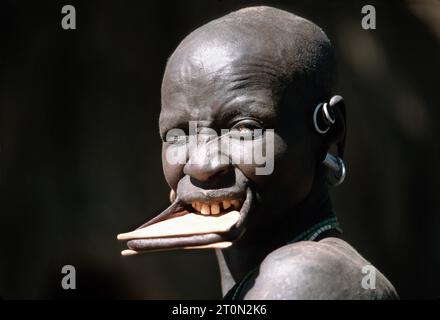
(193, 223)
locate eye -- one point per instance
(176, 137)
(248, 127)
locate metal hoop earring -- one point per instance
(336, 164)
(330, 119)
(315, 119)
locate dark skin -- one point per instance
(261, 68)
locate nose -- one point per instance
(207, 163)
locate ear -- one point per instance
(337, 132)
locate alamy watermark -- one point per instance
(69, 20)
(369, 280)
(202, 145)
(68, 282)
(369, 20)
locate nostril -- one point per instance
(218, 173)
(204, 172)
(196, 171)
(224, 178)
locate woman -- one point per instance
(257, 79)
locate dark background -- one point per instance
(80, 149)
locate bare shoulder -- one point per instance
(328, 269)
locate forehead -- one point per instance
(212, 80)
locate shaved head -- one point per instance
(255, 47)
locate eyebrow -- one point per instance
(167, 123)
(224, 114)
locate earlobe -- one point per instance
(337, 167)
(337, 176)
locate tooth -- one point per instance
(205, 209)
(215, 208)
(226, 204)
(194, 205)
(198, 206)
(235, 203)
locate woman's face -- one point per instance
(205, 109)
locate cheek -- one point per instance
(172, 170)
(293, 172)
(298, 169)
(267, 154)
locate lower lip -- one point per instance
(180, 242)
(198, 240)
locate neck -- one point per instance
(235, 262)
